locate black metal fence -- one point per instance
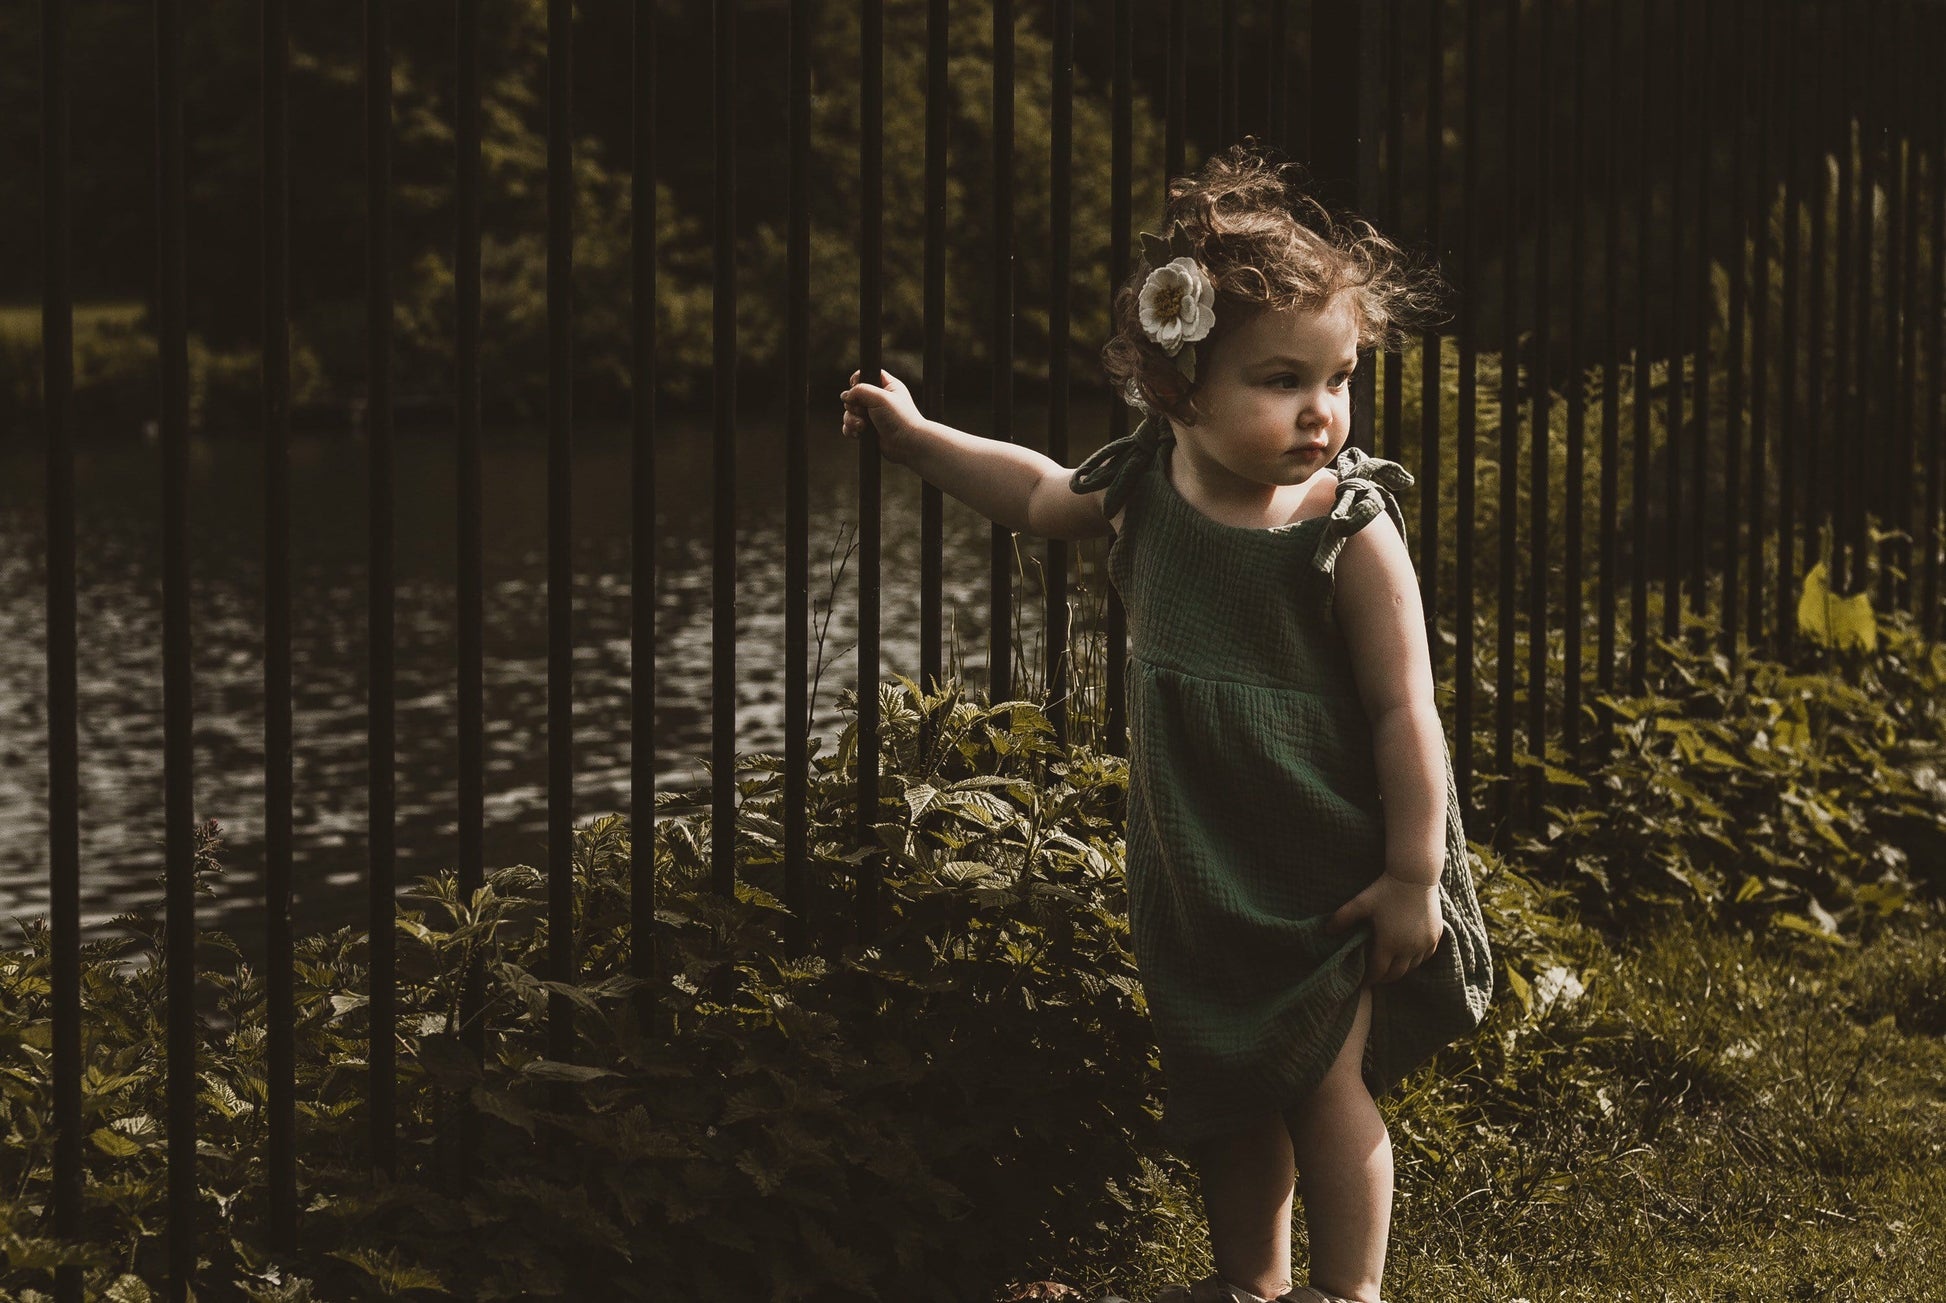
(1790, 147)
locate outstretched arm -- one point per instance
(1008, 483)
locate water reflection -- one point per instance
(119, 672)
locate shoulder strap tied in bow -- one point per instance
(1366, 485)
(1119, 464)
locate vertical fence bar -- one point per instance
(381, 787)
(1359, 137)
(63, 706)
(1279, 114)
(1121, 215)
(1577, 396)
(1936, 177)
(280, 1158)
(1509, 430)
(1540, 379)
(1843, 414)
(871, 313)
(1645, 178)
(723, 705)
(1905, 158)
(797, 502)
(932, 516)
(1884, 351)
(1702, 304)
(1302, 134)
(1468, 398)
(1172, 145)
(1394, 216)
(469, 549)
(1760, 343)
(1857, 472)
(177, 718)
(1430, 365)
(1000, 612)
(1060, 185)
(1611, 373)
(1791, 425)
(1878, 294)
(560, 526)
(1739, 233)
(1226, 77)
(645, 955)
(1818, 483)
(1678, 282)
(1344, 150)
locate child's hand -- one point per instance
(1406, 925)
(890, 409)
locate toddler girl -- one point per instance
(1299, 892)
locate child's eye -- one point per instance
(1338, 381)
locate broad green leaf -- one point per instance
(554, 1070)
(115, 1146)
(1832, 620)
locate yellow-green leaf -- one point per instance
(1832, 620)
(1518, 985)
(1798, 923)
(114, 1144)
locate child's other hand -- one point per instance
(1406, 925)
(889, 407)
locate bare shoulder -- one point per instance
(1375, 568)
(1319, 500)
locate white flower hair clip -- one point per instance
(1178, 300)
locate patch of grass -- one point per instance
(1745, 1117)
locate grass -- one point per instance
(1720, 1116)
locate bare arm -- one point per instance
(1384, 627)
(1379, 610)
(1012, 485)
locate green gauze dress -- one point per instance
(1253, 806)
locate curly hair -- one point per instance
(1267, 246)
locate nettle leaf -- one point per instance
(388, 1273)
(982, 807)
(554, 1070)
(218, 1095)
(754, 1102)
(127, 1289)
(500, 1104)
(343, 1005)
(919, 798)
(115, 1146)
(959, 872)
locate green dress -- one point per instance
(1253, 806)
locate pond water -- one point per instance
(119, 524)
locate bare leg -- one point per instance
(1248, 1185)
(1344, 1161)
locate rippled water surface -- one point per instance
(120, 633)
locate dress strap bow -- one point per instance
(1366, 485)
(1120, 464)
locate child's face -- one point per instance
(1276, 403)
